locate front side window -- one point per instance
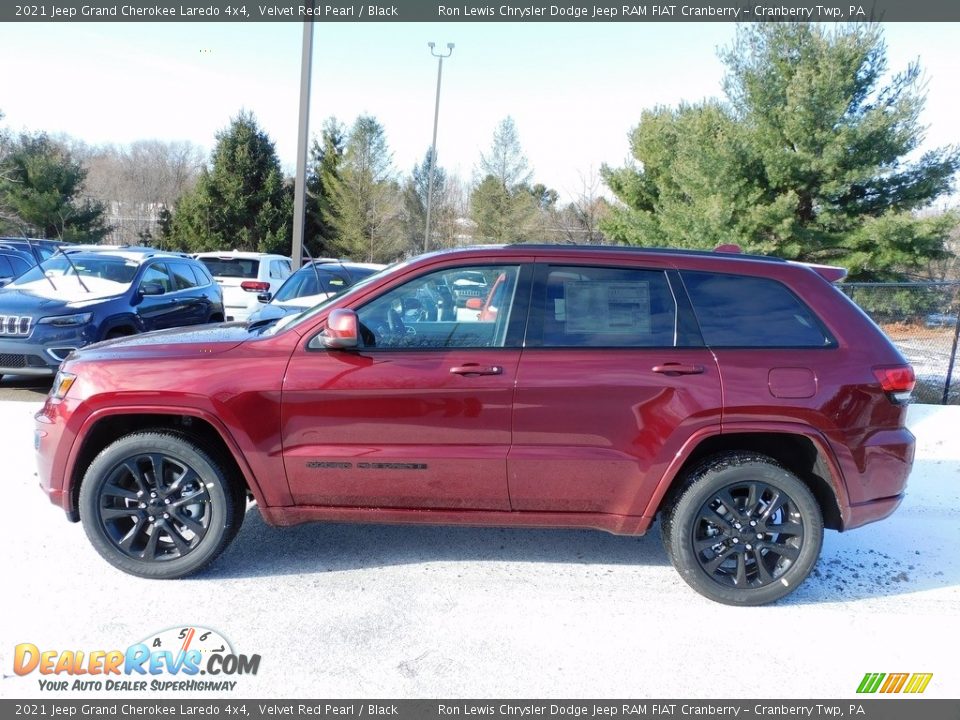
(424, 313)
(608, 307)
(752, 312)
(157, 273)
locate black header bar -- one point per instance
(473, 11)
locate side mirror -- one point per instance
(474, 303)
(265, 297)
(151, 288)
(343, 330)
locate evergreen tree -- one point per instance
(807, 159)
(41, 192)
(241, 202)
(442, 211)
(326, 159)
(365, 197)
(502, 204)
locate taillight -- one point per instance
(896, 380)
(255, 286)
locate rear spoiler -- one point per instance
(830, 273)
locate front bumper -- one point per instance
(41, 352)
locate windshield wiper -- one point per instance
(36, 256)
(76, 272)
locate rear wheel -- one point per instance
(156, 505)
(745, 531)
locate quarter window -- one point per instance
(745, 311)
(608, 307)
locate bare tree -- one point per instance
(579, 221)
(139, 181)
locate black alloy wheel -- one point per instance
(155, 505)
(748, 534)
(744, 530)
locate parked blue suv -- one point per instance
(80, 297)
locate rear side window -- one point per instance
(182, 276)
(744, 311)
(228, 267)
(608, 307)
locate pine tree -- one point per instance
(326, 159)
(502, 203)
(41, 192)
(241, 202)
(365, 197)
(807, 158)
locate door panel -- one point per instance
(417, 418)
(398, 429)
(595, 429)
(605, 397)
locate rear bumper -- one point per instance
(878, 477)
(866, 513)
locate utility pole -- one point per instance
(303, 132)
(433, 146)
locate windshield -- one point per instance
(328, 280)
(97, 271)
(304, 282)
(295, 318)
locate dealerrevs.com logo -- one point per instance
(170, 660)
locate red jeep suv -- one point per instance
(743, 400)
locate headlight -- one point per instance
(62, 384)
(66, 320)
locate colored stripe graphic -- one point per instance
(870, 682)
(894, 682)
(918, 683)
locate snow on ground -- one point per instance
(372, 611)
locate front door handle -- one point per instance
(476, 369)
(677, 369)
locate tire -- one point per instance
(118, 333)
(166, 529)
(709, 538)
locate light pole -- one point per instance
(303, 138)
(433, 146)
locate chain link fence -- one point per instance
(923, 320)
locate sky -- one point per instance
(573, 90)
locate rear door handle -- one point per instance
(475, 369)
(677, 369)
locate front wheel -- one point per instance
(155, 505)
(745, 531)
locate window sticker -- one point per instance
(605, 307)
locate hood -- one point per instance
(178, 342)
(14, 301)
(69, 291)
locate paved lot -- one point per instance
(23, 389)
(349, 610)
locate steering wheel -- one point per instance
(395, 323)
